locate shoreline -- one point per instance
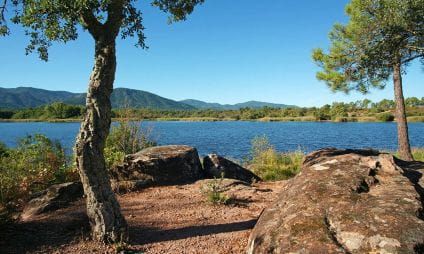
(411, 119)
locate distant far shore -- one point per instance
(412, 119)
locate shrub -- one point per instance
(418, 154)
(214, 192)
(270, 165)
(385, 117)
(36, 163)
(127, 137)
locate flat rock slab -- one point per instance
(173, 164)
(345, 201)
(216, 166)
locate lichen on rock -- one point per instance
(345, 201)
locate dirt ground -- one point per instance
(167, 219)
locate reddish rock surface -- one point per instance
(345, 201)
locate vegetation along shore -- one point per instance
(359, 111)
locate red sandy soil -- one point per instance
(167, 219)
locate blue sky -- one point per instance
(226, 52)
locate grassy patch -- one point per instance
(418, 154)
(127, 137)
(270, 165)
(416, 119)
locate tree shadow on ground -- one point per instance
(33, 236)
(141, 236)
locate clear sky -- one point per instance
(228, 51)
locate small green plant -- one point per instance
(214, 192)
(120, 247)
(270, 165)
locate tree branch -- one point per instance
(412, 58)
(2, 10)
(115, 16)
(91, 23)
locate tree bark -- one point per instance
(107, 222)
(402, 125)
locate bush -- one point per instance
(214, 192)
(35, 164)
(126, 138)
(270, 165)
(385, 117)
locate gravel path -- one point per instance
(167, 219)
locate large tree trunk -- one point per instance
(107, 223)
(402, 126)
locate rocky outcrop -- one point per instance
(172, 164)
(345, 201)
(216, 166)
(55, 197)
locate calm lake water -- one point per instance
(233, 139)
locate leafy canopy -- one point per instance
(47, 21)
(380, 33)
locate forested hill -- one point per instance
(26, 97)
(249, 104)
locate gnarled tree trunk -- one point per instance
(402, 126)
(103, 210)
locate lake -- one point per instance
(233, 139)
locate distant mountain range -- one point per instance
(26, 97)
(249, 104)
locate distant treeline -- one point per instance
(363, 110)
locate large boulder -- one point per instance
(173, 164)
(345, 201)
(55, 197)
(216, 166)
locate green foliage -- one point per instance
(270, 165)
(380, 33)
(179, 9)
(385, 117)
(352, 111)
(418, 154)
(127, 137)
(214, 192)
(56, 110)
(48, 21)
(4, 152)
(6, 114)
(59, 110)
(338, 110)
(36, 163)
